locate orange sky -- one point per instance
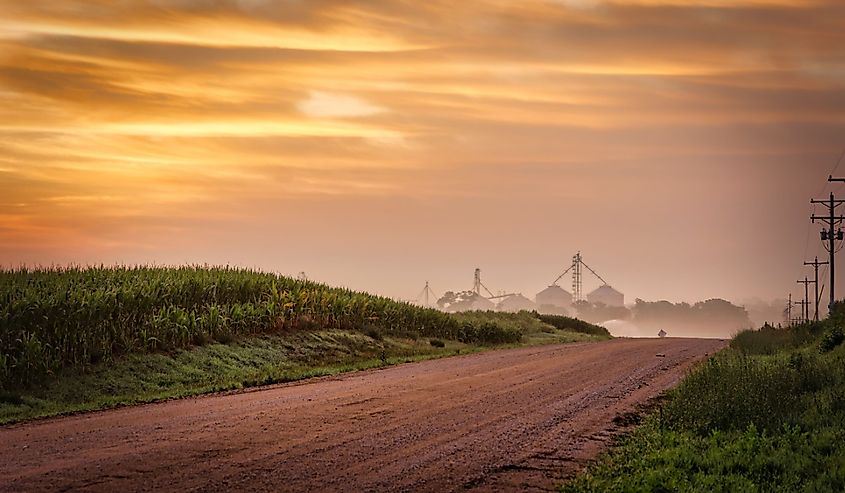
(379, 144)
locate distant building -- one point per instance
(607, 296)
(553, 300)
(464, 301)
(516, 303)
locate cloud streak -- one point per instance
(123, 123)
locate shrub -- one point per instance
(831, 339)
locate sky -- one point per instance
(380, 144)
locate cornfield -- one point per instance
(52, 318)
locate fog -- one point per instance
(715, 317)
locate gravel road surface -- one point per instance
(507, 420)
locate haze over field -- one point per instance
(380, 144)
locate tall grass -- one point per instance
(51, 318)
(766, 415)
(770, 340)
(770, 378)
(733, 391)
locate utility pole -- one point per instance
(789, 311)
(805, 305)
(831, 235)
(815, 263)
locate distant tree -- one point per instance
(599, 312)
(761, 311)
(714, 317)
(463, 301)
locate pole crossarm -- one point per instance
(816, 262)
(826, 219)
(827, 201)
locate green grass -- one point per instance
(768, 414)
(248, 362)
(653, 459)
(214, 367)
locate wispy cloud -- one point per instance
(121, 122)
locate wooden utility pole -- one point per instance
(831, 235)
(805, 305)
(789, 311)
(816, 265)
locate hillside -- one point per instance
(86, 338)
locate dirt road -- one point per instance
(496, 421)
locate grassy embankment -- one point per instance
(84, 339)
(767, 414)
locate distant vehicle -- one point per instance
(662, 333)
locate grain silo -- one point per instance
(607, 296)
(553, 299)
